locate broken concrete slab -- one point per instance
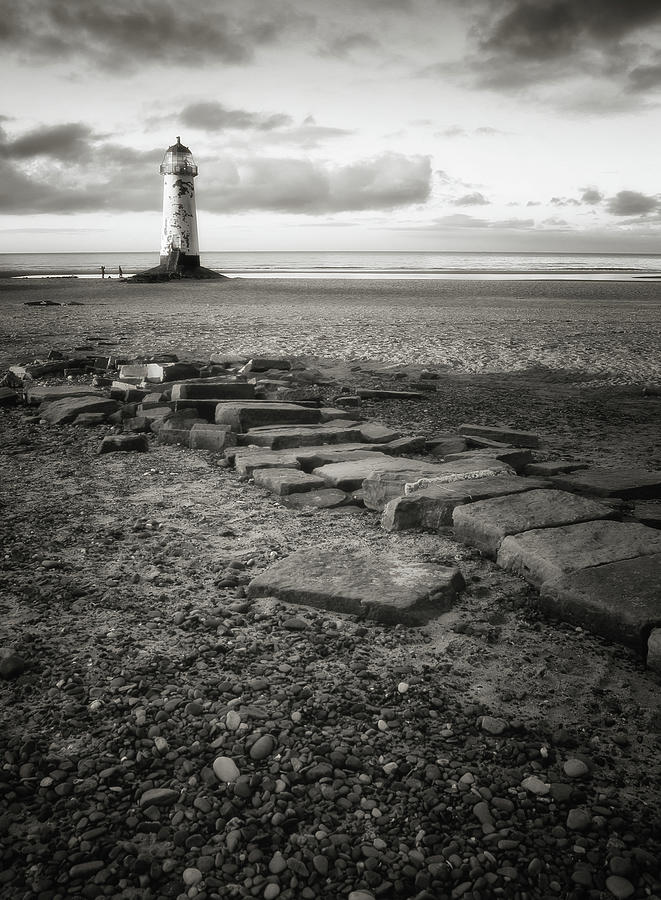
(211, 437)
(65, 411)
(287, 436)
(619, 600)
(350, 474)
(116, 443)
(546, 554)
(403, 445)
(286, 481)
(324, 498)
(500, 433)
(628, 484)
(486, 523)
(516, 457)
(312, 458)
(375, 433)
(432, 508)
(176, 428)
(246, 460)
(387, 484)
(213, 390)
(247, 414)
(382, 587)
(45, 393)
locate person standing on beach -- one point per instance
(103, 271)
(119, 269)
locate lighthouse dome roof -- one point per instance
(178, 147)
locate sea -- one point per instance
(353, 265)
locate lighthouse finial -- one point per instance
(178, 139)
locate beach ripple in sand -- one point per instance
(610, 332)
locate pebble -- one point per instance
(361, 895)
(295, 623)
(232, 720)
(492, 725)
(191, 876)
(225, 769)
(535, 785)
(619, 887)
(578, 819)
(262, 747)
(277, 864)
(575, 768)
(159, 797)
(271, 891)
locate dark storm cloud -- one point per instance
(474, 199)
(538, 29)
(70, 142)
(632, 203)
(213, 116)
(516, 45)
(125, 33)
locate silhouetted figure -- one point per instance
(103, 271)
(120, 271)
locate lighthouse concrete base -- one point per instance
(165, 273)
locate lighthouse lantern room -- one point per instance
(179, 243)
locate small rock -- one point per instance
(191, 877)
(578, 819)
(535, 785)
(295, 624)
(492, 725)
(361, 895)
(277, 864)
(619, 887)
(575, 768)
(159, 797)
(262, 747)
(225, 769)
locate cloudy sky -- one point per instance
(352, 124)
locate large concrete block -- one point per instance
(387, 484)
(502, 434)
(628, 484)
(549, 553)
(211, 437)
(432, 508)
(619, 600)
(213, 390)
(374, 394)
(324, 498)
(382, 587)
(243, 415)
(286, 436)
(246, 461)
(350, 475)
(65, 411)
(375, 433)
(486, 523)
(46, 393)
(286, 481)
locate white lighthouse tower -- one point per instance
(180, 249)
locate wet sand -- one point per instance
(590, 331)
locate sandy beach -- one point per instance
(492, 753)
(605, 331)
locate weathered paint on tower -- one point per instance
(179, 243)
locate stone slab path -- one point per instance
(379, 587)
(550, 521)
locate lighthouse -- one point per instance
(180, 249)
